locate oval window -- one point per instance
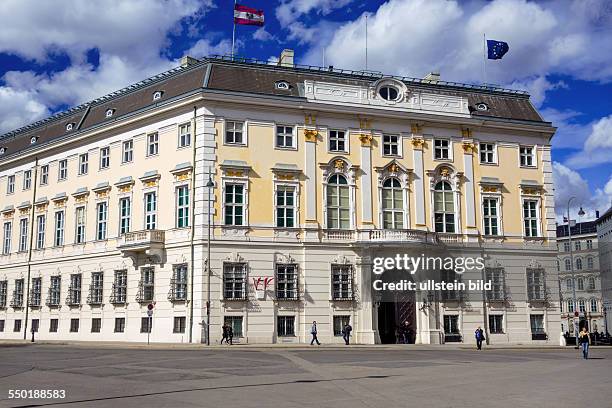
(388, 93)
(482, 106)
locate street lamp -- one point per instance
(569, 235)
(210, 185)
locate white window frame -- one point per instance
(83, 164)
(294, 136)
(23, 234)
(498, 205)
(184, 138)
(448, 149)
(350, 208)
(493, 152)
(152, 144)
(185, 207)
(104, 157)
(123, 217)
(44, 174)
(348, 171)
(27, 179)
(79, 228)
(345, 139)
(455, 211)
(404, 210)
(10, 184)
(226, 129)
(7, 235)
(127, 151)
(150, 216)
(59, 228)
(244, 204)
(534, 156)
(41, 225)
(285, 187)
(101, 220)
(62, 170)
(287, 285)
(399, 145)
(538, 216)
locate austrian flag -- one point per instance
(248, 16)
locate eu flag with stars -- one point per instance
(496, 49)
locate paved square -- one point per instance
(323, 377)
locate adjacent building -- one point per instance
(306, 174)
(604, 235)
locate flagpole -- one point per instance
(366, 42)
(234, 30)
(484, 59)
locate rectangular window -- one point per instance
(179, 283)
(287, 281)
(96, 288)
(58, 238)
(487, 153)
(119, 295)
(127, 154)
(146, 324)
(441, 149)
(44, 175)
(150, 211)
(179, 324)
(62, 170)
(36, 292)
(537, 326)
(285, 207)
(153, 144)
(119, 324)
(337, 141)
(23, 234)
(589, 243)
(2, 326)
(235, 322)
(391, 145)
(497, 279)
(83, 164)
(96, 324)
(234, 281)
(182, 206)
(451, 324)
(342, 282)
(7, 237)
(234, 204)
(566, 246)
(536, 284)
(53, 325)
(577, 245)
(79, 235)
(125, 215)
(17, 325)
(35, 325)
(27, 179)
(284, 137)
(3, 293)
(41, 223)
(102, 216)
(147, 285)
(490, 216)
(339, 323)
(527, 156)
(74, 290)
(104, 158)
(54, 291)
(285, 326)
(10, 184)
(74, 325)
(18, 293)
(496, 324)
(185, 135)
(531, 219)
(233, 132)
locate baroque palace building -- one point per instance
(306, 174)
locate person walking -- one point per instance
(225, 329)
(584, 340)
(230, 334)
(479, 334)
(313, 331)
(406, 332)
(346, 333)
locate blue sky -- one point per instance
(59, 53)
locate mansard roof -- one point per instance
(246, 76)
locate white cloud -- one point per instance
(570, 133)
(537, 88)
(205, 47)
(262, 35)
(597, 147)
(19, 107)
(290, 10)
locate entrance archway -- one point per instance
(396, 316)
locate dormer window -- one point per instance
(2, 150)
(284, 85)
(33, 139)
(482, 106)
(109, 113)
(389, 93)
(157, 95)
(69, 127)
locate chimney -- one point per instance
(187, 61)
(286, 58)
(432, 77)
(597, 214)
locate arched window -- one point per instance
(444, 207)
(570, 305)
(580, 284)
(392, 204)
(591, 283)
(389, 93)
(579, 264)
(589, 263)
(593, 305)
(569, 283)
(581, 306)
(338, 204)
(568, 264)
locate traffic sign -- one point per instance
(150, 306)
(149, 313)
(576, 314)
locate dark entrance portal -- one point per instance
(392, 315)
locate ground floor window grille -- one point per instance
(496, 325)
(146, 324)
(119, 324)
(96, 325)
(342, 282)
(235, 322)
(339, 323)
(234, 281)
(287, 282)
(53, 325)
(74, 325)
(537, 327)
(179, 324)
(285, 326)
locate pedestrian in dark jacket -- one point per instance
(230, 334)
(584, 340)
(225, 329)
(313, 331)
(346, 333)
(479, 334)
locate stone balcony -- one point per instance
(148, 243)
(398, 236)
